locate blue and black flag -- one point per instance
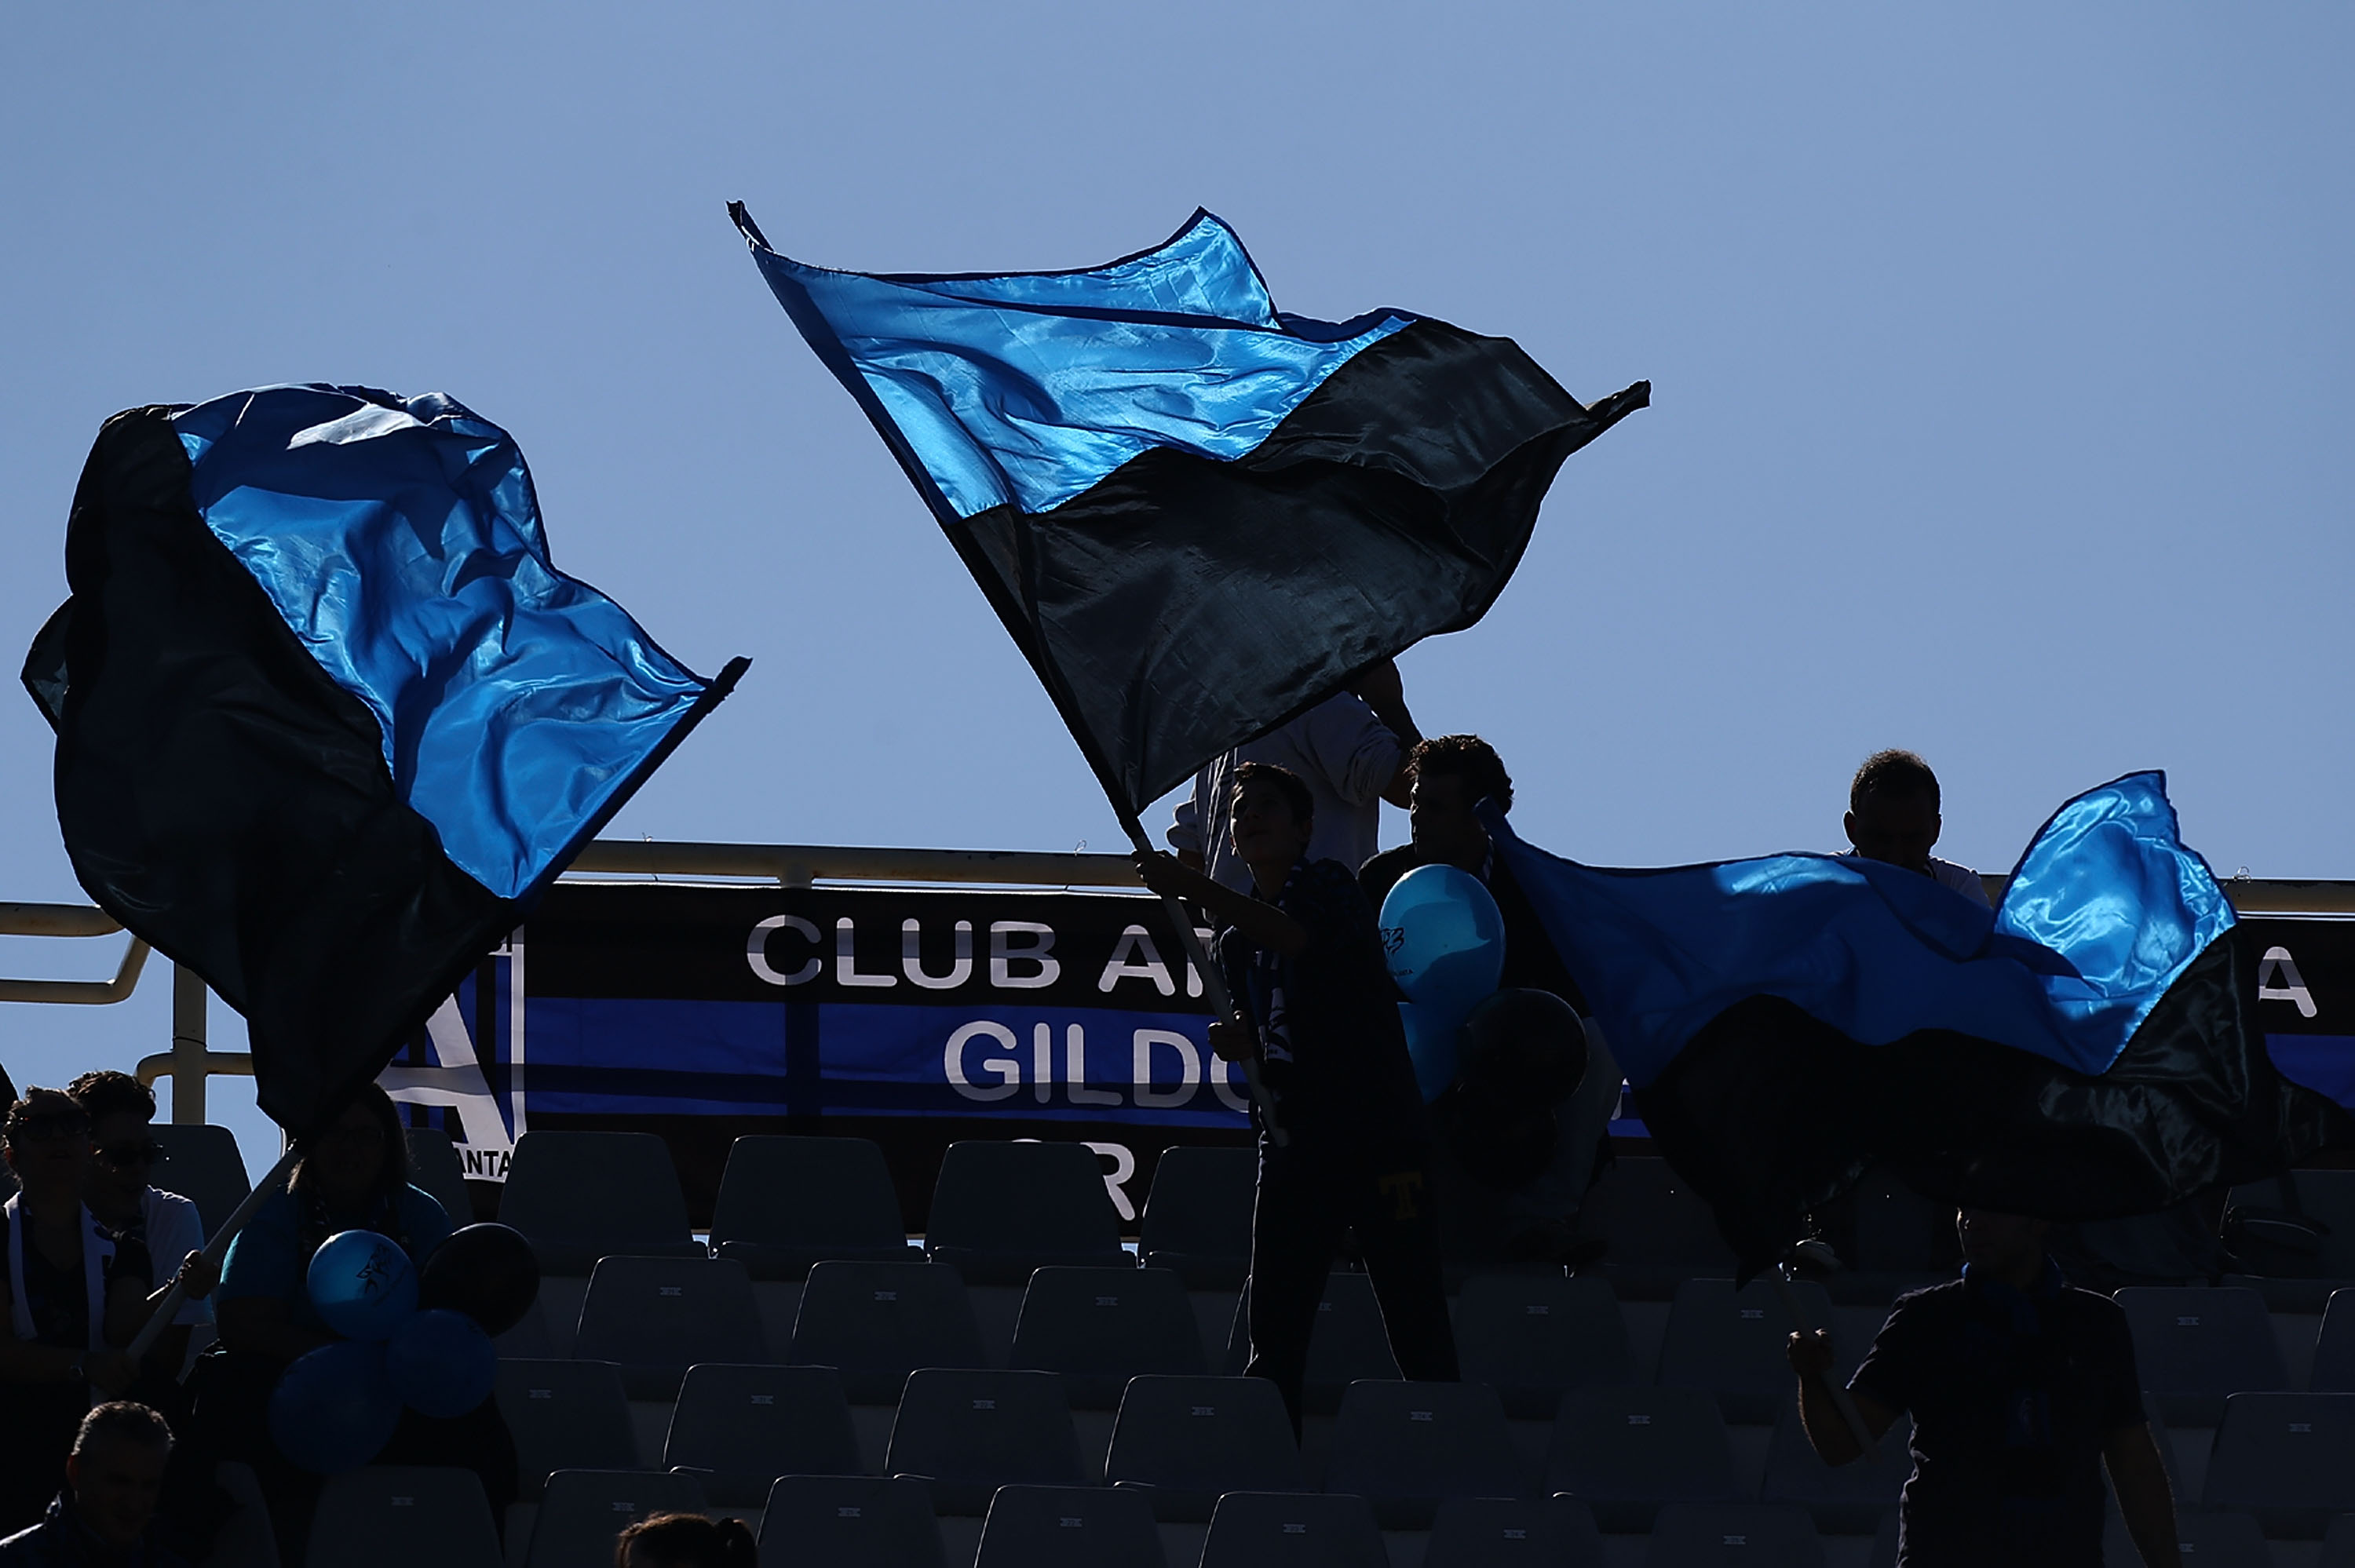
(328, 720)
(2088, 1049)
(1198, 515)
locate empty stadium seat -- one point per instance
(877, 1322)
(200, 1163)
(1658, 1231)
(1843, 1500)
(656, 1316)
(1625, 1451)
(1100, 1327)
(1198, 1216)
(1406, 1447)
(1069, 1527)
(1706, 1535)
(581, 1196)
(1001, 1209)
(2194, 1345)
(1731, 1344)
(2334, 1348)
(584, 1509)
(397, 1516)
(740, 1428)
(1513, 1532)
(2205, 1539)
(565, 1415)
(2339, 1544)
(1187, 1439)
(2288, 1459)
(1533, 1336)
(433, 1169)
(1292, 1530)
(1347, 1344)
(967, 1433)
(787, 1202)
(2315, 1239)
(849, 1521)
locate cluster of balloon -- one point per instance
(423, 1342)
(1445, 944)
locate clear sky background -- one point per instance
(2001, 353)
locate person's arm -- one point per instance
(1379, 688)
(1264, 923)
(2140, 1477)
(1811, 1357)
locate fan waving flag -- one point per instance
(1198, 515)
(328, 720)
(2087, 1050)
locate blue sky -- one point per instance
(1999, 354)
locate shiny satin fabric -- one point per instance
(2107, 909)
(400, 540)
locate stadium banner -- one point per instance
(914, 1017)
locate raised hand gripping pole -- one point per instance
(215, 1249)
(1849, 1415)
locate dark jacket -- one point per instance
(60, 1540)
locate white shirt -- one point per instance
(1344, 753)
(174, 1230)
(1945, 872)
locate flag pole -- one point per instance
(1214, 987)
(214, 1249)
(1849, 1415)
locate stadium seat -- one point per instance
(201, 1163)
(656, 1316)
(397, 1516)
(2205, 1539)
(877, 1322)
(787, 1202)
(1658, 1231)
(1292, 1530)
(965, 1434)
(2339, 1544)
(740, 1428)
(2288, 1459)
(1100, 1327)
(565, 1415)
(1731, 1344)
(433, 1169)
(1708, 1535)
(1069, 1527)
(1348, 1345)
(1533, 1336)
(1406, 1447)
(1185, 1440)
(849, 1521)
(581, 1196)
(2195, 1345)
(584, 1509)
(1001, 1209)
(1843, 1500)
(1625, 1451)
(2334, 1348)
(1884, 1543)
(1198, 1216)
(1517, 1533)
(2315, 1240)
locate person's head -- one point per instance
(685, 1540)
(116, 1470)
(47, 1143)
(1452, 774)
(357, 1157)
(2009, 1245)
(1271, 815)
(120, 1107)
(1892, 810)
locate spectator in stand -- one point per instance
(114, 1478)
(1892, 816)
(1351, 750)
(2022, 1389)
(120, 1108)
(75, 1296)
(1314, 1000)
(683, 1541)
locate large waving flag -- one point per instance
(1198, 515)
(2087, 1050)
(328, 720)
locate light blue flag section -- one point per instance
(400, 540)
(2104, 911)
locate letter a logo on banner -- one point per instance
(2277, 965)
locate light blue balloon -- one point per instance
(1430, 1046)
(334, 1409)
(442, 1363)
(362, 1284)
(1443, 938)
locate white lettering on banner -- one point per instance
(1142, 1058)
(1123, 1166)
(1005, 1065)
(756, 951)
(912, 957)
(1124, 965)
(1075, 1071)
(846, 958)
(1223, 1088)
(1042, 1060)
(1003, 955)
(2277, 965)
(455, 1081)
